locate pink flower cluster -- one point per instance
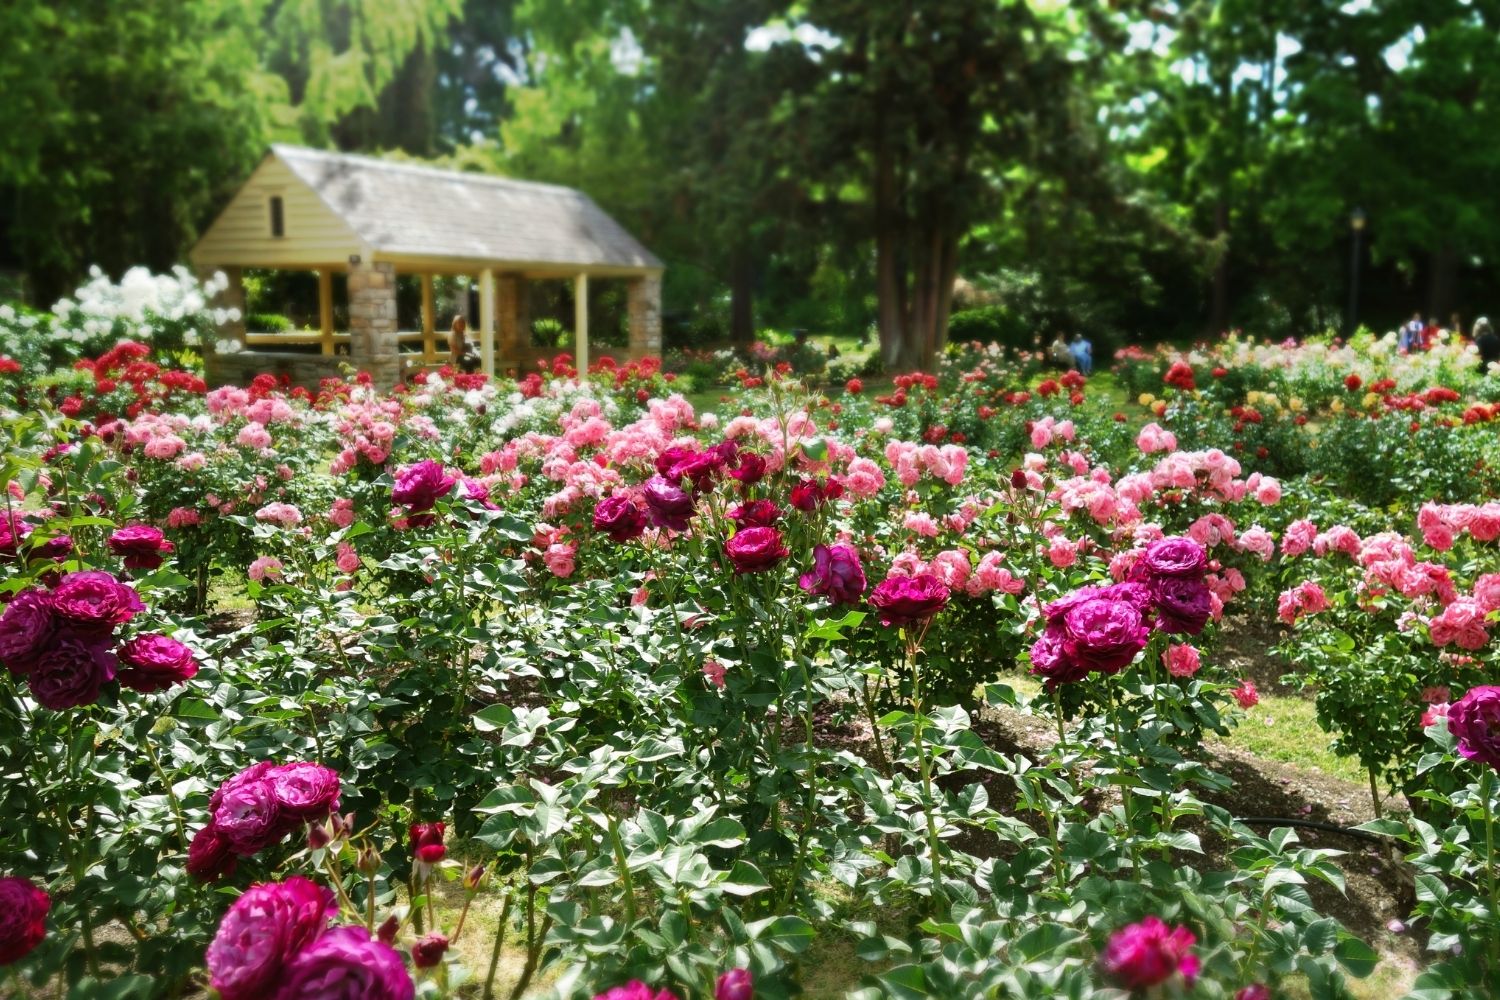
(257, 808)
(275, 943)
(64, 642)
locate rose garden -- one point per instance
(571, 686)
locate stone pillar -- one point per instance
(643, 302)
(372, 321)
(486, 330)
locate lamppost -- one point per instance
(1356, 230)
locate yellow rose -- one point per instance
(1337, 406)
(1145, 399)
(1371, 398)
(1295, 404)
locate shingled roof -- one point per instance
(416, 211)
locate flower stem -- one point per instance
(925, 767)
(1486, 794)
(166, 785)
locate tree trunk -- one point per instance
(1218, 319)
(890, 279)
(741, 296)
(1444, 263)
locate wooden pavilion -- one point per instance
(369, 219)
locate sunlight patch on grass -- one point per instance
(1286, 729)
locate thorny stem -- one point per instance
(489, 981)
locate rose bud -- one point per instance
(429, 950)
(475, 878)
(1018, 479)
(427, 842)
(318, 836)
(388, 929)
(369, 860)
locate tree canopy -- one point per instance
(1137, 169)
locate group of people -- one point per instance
(1416, 335)
(1075, 355)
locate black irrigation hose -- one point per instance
(1312, 824)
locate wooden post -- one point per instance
(325, 308)
(581, 323)
(429, 322)
(487, 320)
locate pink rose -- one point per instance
(754, 550)
(1182, 660)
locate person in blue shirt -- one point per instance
(1083, 354)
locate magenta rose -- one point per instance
(902, 600)
(1103, 635)
(1183, 604)
(304, 791)
(836, 574)
(57, 549)
(25, 629)
(262, 932)
(1474, 720)
(750, 468)
(153, 662)
(71, 670)
(23, 918)
(755, 550)
(140, 545)
(635, 990)
(736, 984)
(94, 601)
(1146, 954)
(13, 531)
(1171, 557)
(346, 964)
(1050, 660)
(249, 817)
(755, 514)
(249, 776)
(808, 495)
(619, 518)
(420, 486)
(210, 857)
(667, 504)
(675, 464)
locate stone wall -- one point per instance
(241, 367)
(644, 304)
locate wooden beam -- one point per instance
(429, 321)
(325, 309)
(487, 320)
(581, 322)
